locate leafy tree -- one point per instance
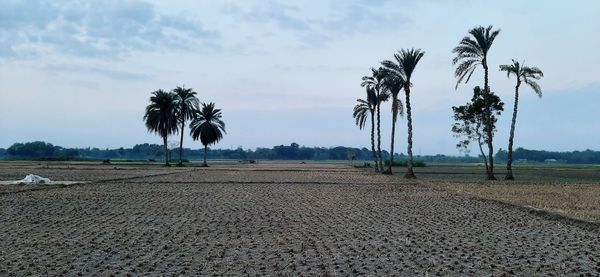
(207, 126)
(471, 52)
(161, 116)
(404, 67)
(362, 110)
(471, 117)
(527, 75)
(375, 82)
(186, 100)
(36, 149)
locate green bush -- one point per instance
(404, 163)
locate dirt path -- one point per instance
(320, 220)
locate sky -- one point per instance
(79, 73)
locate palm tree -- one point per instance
(394, 84)
(208, 126)
(527, 75)
(362, 111)
(161, 116)
(406, 62)
(186, 101)
(375, 82)
(470, 53)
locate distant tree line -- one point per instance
(540, 156)
(43, 150)
(39, 150)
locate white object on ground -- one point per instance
(32, 179)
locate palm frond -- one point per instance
(471, 51)
(397, 107)
(535, 86)
(207, 125)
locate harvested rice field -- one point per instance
(275, 219)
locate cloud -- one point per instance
(341, 19)
(99, 70)
(352, 18)
(97, 29)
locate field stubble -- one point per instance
(280, 219)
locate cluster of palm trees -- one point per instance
(392, 77)
(471, 52)
(168, 112)
(385, 83)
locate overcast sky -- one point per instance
(79, 73)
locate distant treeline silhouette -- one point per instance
(40, 150)
(541, 156)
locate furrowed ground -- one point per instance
(287, 219)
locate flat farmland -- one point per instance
(568, 190)
(277, 219)
(81, 172)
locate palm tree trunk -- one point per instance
(485, 161)
(181, 144)
(394, 118)
(410, 174)
(373, 140)
(488, 122)
(509, 173)
(166, 151)
(380, 159)
(205, 149)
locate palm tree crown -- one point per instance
(207, 125)
(186, 101)
(471, 52)
(406, 62)
(394, 83)
(161, 113)
(364, 108)
(525, 74)
(375, 82)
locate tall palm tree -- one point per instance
(161, 116)
(471, 52)
(208, 126)
(394, 84)
(362, 110)
(375, 82)
(186, 100)
(406, 62)
(527, 75)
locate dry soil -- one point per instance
(286, 220)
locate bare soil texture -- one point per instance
(286, 220)
(70, 172)
(578, 201)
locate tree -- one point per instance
(186, 100)
(470, 120)
(527, 75)
(404, 67)
(362, 110)
(394, 84)
(471, 52)
(207, 126)
(161, 116)
(375, 82)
